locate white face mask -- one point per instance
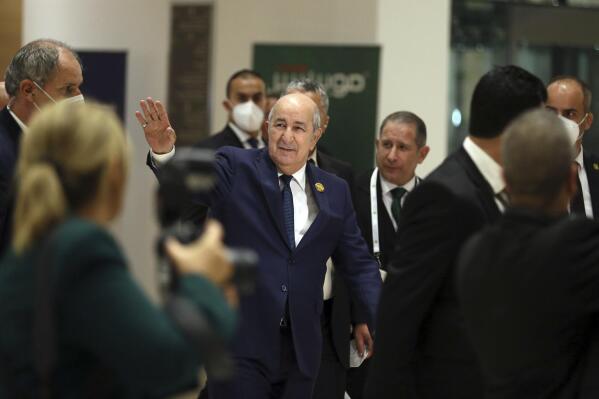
(67, 100)
(248, 116)
(572, 128)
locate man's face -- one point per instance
(397, 153)
(291, 135)
(63, 83)
(243, 90)
(566, 98)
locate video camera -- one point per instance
(189, 175)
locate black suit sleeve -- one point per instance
(434, 224)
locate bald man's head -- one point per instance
(533, 170)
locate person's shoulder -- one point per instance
(225, 137)
(239, 154)
(334, 165)
(576, 229)
(590, 156)
(363, 179)
(452, 171)
(77, 238)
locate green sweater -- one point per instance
(102, 319)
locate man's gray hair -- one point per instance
(537, 155)
(310, 86)
(37, 61)
(407, 117)
(315, 115)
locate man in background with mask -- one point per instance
(571, 99)
(42, 72)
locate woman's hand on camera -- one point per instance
(205, 256)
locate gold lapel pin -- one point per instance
(319, 187)
(596, 166)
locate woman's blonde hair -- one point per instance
(64, 157)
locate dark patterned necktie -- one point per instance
(288, 209)
(397, 193)
(577, 203)
(253, 142)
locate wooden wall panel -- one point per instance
(10, 31)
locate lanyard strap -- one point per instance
(374, 216)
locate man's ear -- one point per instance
(26, 89)
(588, 122)
(227, 105)
(317, 136)
(422, 153)
(325, 124)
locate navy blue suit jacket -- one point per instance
(10, 134)
(247, 200)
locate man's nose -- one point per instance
(287, 135)
(392, 155)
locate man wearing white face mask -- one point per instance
(571, 99)
(42, 72)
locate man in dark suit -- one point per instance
(422, 349)
(400, 148)
(40, 73)
(529, 284)
(295, 216)
(571, 98)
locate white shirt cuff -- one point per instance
(160, 159)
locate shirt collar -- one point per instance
(487, 166)
(299, 176)
(387, 186)
(16, 118)
(243, 136)
(579, 159)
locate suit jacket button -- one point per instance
(291, 261)
(284, 288)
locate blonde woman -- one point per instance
(64, 268)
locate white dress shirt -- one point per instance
(305, 208)
(490, 169)
(243, 137)
(584, 185)
(386, 187)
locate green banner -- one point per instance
(350, 76)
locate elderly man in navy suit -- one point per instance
(295, 216)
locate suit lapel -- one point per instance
(591, 166)
(386, 230)
(269, 183)
(321, 198)
(230, 138)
